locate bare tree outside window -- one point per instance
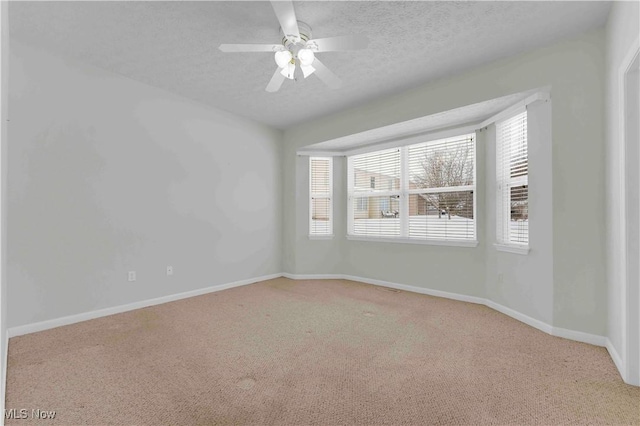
(445, 167)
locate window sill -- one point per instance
(321, 237)
(510, 248)
(449, 243)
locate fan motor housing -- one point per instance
(305, 35)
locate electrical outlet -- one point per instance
(169, 270)
(132, 275)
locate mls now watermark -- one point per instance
(23, 413)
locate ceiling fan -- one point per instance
(298, 48)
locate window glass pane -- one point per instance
(422, 191)
(512, 168)
(320, 176)
(442, 215)
(320, 216)
(380, 219)
(320, 182)
(516, 133)
(442, 163)
(376, 171)
(519, 215)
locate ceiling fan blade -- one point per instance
(276, 81)
(250, 47)
(287, 18)
(333, 44)
(326, 75)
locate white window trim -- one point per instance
(312, 195)
(520, 106)
(321, 237)
(404, 240)
(404, 199)
(402, 138)
(512, 248)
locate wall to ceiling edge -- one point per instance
(573, 288)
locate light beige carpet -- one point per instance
(329, 352)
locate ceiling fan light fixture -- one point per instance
(297, 45)
(283, 57)
(307, 70)
(289, 70)
(306, 56)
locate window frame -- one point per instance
(404, 192)
(503, 218)
(328, 195)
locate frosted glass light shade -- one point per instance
(306, 56)
(288, 70)
(283, 57)
(307, 70)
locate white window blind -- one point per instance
(374, 183)
(441, 189)
(512, 176)
(320, 196)
(419, 192)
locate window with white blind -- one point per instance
(512, 178)
(422, 193)
(374, 186)
(320, 196)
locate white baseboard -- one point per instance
(312, 276)
(615, 356)
(579, 336)
(540, 325)
(72, 319)
(535, 323)
(414, 289)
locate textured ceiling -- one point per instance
(173, 45)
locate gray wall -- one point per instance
(109, 175)
(575, 289)
(525, 283)
(622, 30)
